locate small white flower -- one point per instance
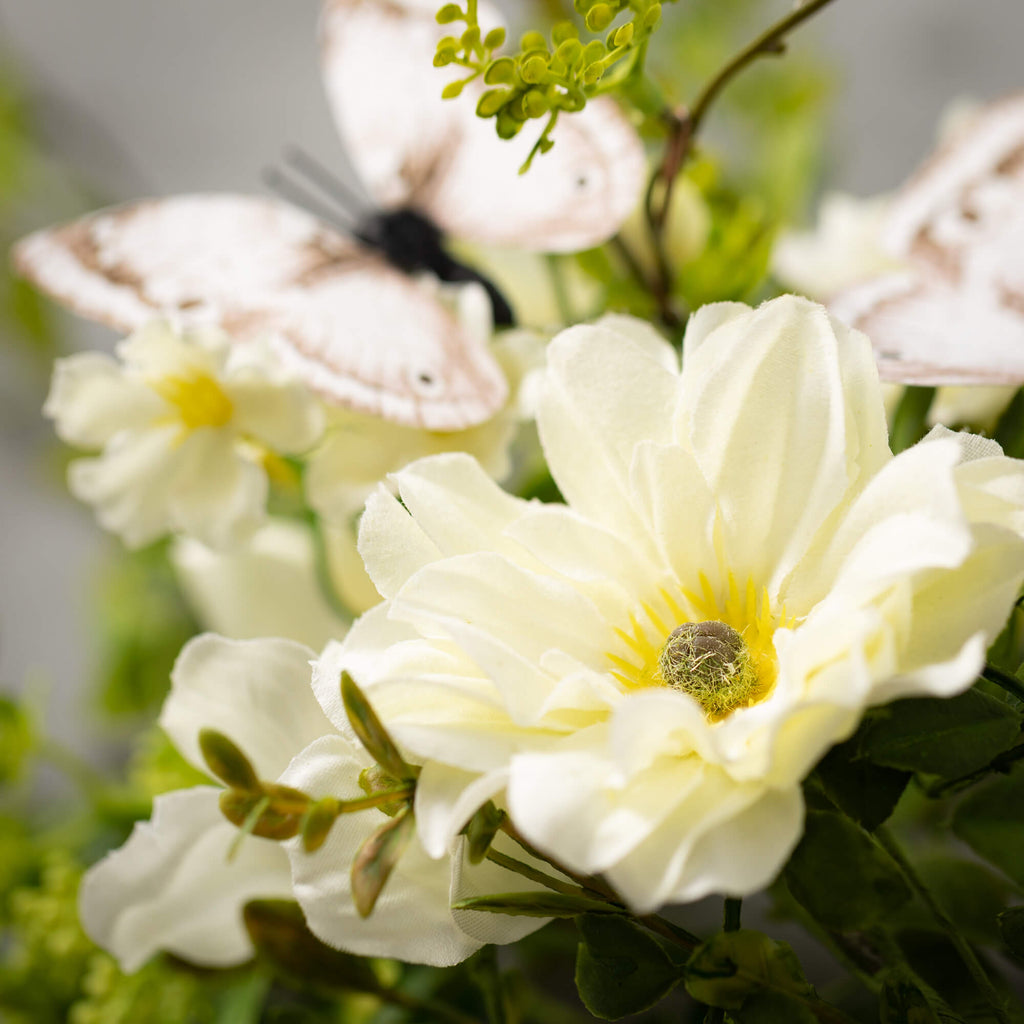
(172, 886)
(844, 247)
(533, 653)
(185, 422)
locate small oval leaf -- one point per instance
(377, 858)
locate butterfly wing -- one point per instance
(412, 148)
(928, 330)
(955, 315)
(357, 331)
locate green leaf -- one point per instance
(971, 894)
(227, 762)
(949, 737)
(371, 733)
(536, 904)
(377, 858)
(142, 623)
(1011, 928)
(733, 966)
(317, 824)
(910, 420)
(842, 878)
(990, 819)
(17, 738)
(906, 1000)
(620, 968)
(280, 815)
(279, 933)
(1009, 431)
(773, 1008)
(866, 792)
(481, 830)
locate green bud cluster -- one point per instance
(547, 76)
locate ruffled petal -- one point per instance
(285, 417)
(255, 692)
(412, 920)
(131, 484)
(603, 394)
(750, 390)
(220, 496)
(266, 588)
(172, 887)
(91, 399)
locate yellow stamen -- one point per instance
(636, 663)
(197, 398)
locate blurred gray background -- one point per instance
(147, 97)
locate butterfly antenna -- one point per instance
(327, 181)
(298, 195)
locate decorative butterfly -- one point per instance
(330, 289)
(955, 313)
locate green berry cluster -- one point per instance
(548, 75)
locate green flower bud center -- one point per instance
(710, 662)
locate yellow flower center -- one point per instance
(717, 648)
(197, 398)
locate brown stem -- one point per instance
(684, 124)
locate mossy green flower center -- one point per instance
(710, 662)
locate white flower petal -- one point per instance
(266, 588)
(131, 483)
(286, 417)
(466, 597)
(219, 495)
(255, 692)
(750, 390)
(446, 798)
(603, 393)
(487, 879)
(91, 399)
(656, 871)
(575, 806)
(412, 920)
(725, 860)
(171, 886)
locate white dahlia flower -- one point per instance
(643, 677)
(186, 423)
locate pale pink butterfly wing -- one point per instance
(354, 329)
(410, 147)
(955, 315)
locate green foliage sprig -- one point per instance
(548, 75)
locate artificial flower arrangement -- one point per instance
(535, 638)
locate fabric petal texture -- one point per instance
(173, 886)
(543, 657)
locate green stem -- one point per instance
(557, 278)
(487, 975)
(439, 1012)
(521, 868)
(962, 946)
(667, 930)
(322, 567)
(686, 124)
(1003, 763)
(768, 43)
(731, 914)
(1010, 684)
(593, 886)
(366, 803)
